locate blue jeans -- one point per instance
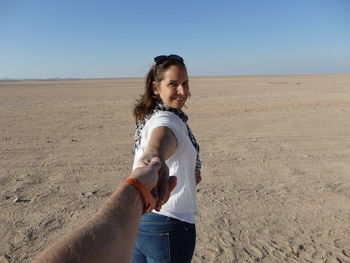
(163, 239)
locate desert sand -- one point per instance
(275, 153)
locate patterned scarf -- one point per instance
(161, 107)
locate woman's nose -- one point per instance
(181, 90)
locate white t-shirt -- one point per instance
(182, 202)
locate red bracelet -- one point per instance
(143, 192)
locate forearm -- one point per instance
(107, 236)
(155, 151)
(162, 143)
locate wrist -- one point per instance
(142, 191)
(151, 152)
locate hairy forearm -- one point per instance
(108, 236)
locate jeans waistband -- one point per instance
(157, 218)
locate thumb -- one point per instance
(155, 163)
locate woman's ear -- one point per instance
(155, 88)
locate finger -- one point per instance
(142, 163)
(152, 204)
(163, 183)
(158, 201)
(172, 183)
(155, 163)
(158, 206)
(154, 193)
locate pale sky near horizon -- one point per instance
(107, 39)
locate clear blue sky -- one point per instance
(96, 38)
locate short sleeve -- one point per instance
(163, 119)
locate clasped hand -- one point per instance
(154, 175)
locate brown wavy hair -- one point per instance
(148, 99)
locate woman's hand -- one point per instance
(155, 180)
(161, 192)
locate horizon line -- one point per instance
(194, 76)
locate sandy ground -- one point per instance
(275, 152)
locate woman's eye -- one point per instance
(172, 84)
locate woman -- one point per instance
(167, 234)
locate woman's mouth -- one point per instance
(180, 98)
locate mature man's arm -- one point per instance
(109, 235)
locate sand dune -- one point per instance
(275, 152)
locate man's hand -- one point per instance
(154, 175)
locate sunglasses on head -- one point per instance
(162, 58)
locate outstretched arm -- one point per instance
(109, 235)
(162, 144)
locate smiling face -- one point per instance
(173, 89)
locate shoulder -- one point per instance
(166, 119)
(165, 116)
